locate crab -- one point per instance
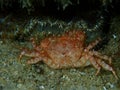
(67, 51)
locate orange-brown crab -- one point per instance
(66, 51)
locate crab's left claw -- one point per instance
(21, 55)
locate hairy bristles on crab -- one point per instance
(68, 51)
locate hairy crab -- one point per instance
(67, 51)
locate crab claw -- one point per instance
(21, 54)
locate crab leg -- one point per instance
(98, 63)
(104, 57)
(34, 60)
(95, 64)
(107, 67)
(26, 52)
(90, 46)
